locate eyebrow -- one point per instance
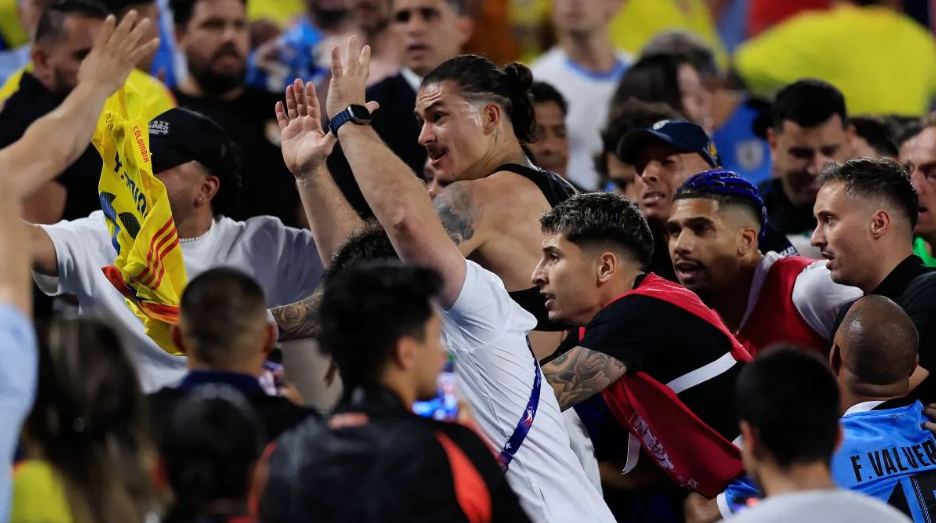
(430, 107)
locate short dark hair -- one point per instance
(218, 307)
(182, 11)
(367, 309)
(368, 243)
(808, 103)
(624, 117)
(687, 44)
(602, 218)
(479, 78)
(118, 7)
(790, 397)
(51, 27)
(654, 78)
(902, 128)
(876, 132)
(880, 178)
(543, 92)
(728, 189)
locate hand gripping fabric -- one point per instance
(148, 268)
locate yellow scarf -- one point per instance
(148, 269)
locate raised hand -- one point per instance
(349, 78)
(116, 52)
(305, 144)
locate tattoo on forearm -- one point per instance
(580, 374)
(458, 214)
(299, 320)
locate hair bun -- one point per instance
(519, 78)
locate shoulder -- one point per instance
(551, 61)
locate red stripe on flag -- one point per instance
(152, 256)
(162, 255)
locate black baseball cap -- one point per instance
(681, 134)
(179, 136)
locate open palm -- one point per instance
(305, 144)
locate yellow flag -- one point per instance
(148, 269)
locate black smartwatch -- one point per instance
(356, 114)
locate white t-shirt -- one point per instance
(820, 506)
(487, 332)
(283, 260)
(589, 96)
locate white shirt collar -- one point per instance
(862, 407)
(411, 78)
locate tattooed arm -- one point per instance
(580, 374)
(299, 320)
(460, 215)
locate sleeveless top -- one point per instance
(556, 190)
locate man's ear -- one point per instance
(749, 438)
(608, 263)
(748, 241)
(208, 189)
(772, 141)
(835, 359)
(491, 117)
(405, 353)
(880, 223)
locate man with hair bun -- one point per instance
(715, 229)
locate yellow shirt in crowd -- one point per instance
(283, 12)
(159, 98)
(38, 495)
(882, 61)
(13, 33)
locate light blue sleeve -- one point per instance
(734, 495)
(18, 368)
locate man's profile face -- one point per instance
(551, 148)
(432, 32)
(216, 42)
(799, 153)
(623, 177)
(921, 163)
(185, 184)
(371, 15)
(56, 61)
(452, 131)
(704, 244)
(567, 277)
(843, 234)
(662, 169)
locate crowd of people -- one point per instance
(419, 285)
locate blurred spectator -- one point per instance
(867, 210)
(433, 31)
(902, 130)
(198, 163)
(585, 67)
(213, 442)
(64, 37)
(872, 138)
(496, 42)
(28, 11)
(551, 147)
(374, 19)
(88, 451)
(790, 432)
(332, 471)
(810, 128)
(732, 113)
(213, 36)
(224, 332)
(626, 116)
(146, 8)
(670, 79)
(859, 46)
(921, 163)
(531, 21)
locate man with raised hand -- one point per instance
(24, 167)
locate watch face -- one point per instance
(359, 112)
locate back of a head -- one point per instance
(223, 318)
(877, 179)
(729, 190)
(51, 28)
(687, 44)
(631, 114)
(213, 440)
(367, 309)
(479, 79)
(877, 133)
(653, 78)
(808, 103)
(369, 243)
(903, 128)
(878, 343)
(602, 219)
(90, 420)
(789, 396)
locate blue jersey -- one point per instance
(885, 454)
(741, 150)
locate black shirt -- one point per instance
(268, 188)
(382, 463)
(666, 342)
(781, 213)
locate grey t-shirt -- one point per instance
(820, 506)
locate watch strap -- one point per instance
(340, 119)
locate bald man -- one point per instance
(885, 452)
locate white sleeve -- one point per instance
(82, 249)
(484, 312)
(291, 253)
(819, 300)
